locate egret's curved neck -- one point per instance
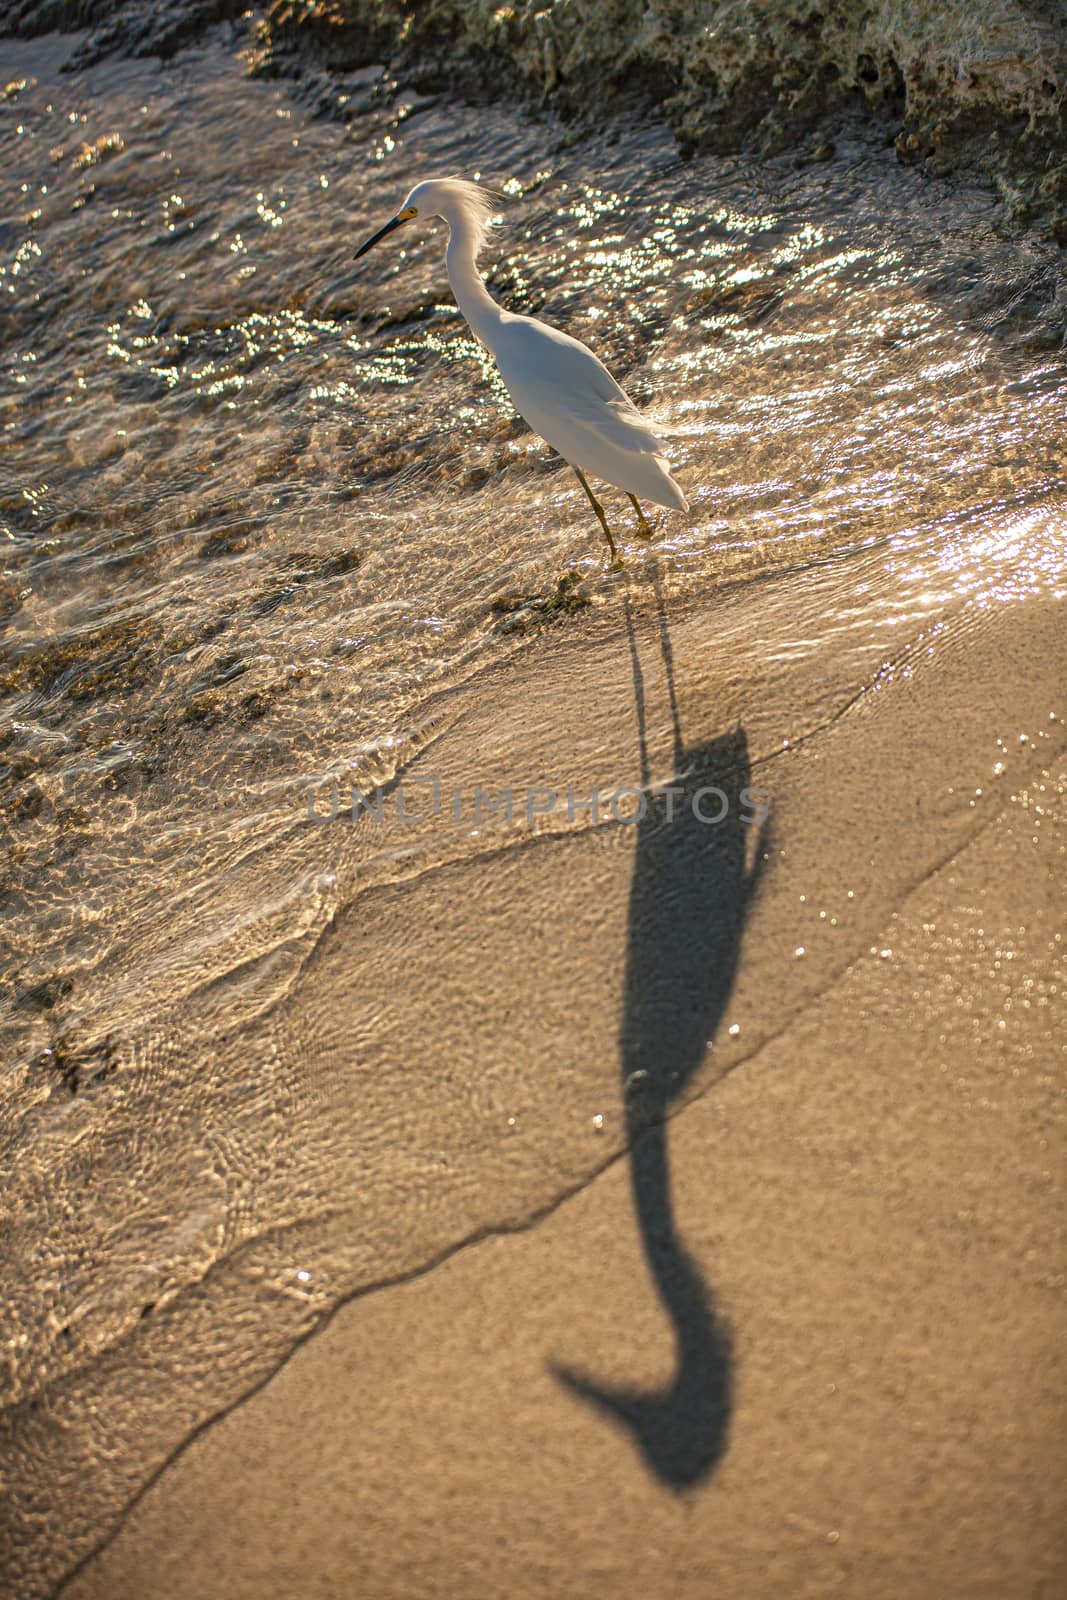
(472, 297)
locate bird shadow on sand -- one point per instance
(689, 899)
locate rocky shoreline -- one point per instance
(977, 87)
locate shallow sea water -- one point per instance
(257, 504)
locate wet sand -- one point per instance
(524, 1201)
(871, 1198)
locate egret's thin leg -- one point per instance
(644, 527)
(599, 509)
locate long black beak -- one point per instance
(389, 226)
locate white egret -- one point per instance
(557, 384)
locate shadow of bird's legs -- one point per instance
(644, 527)
(616, 564)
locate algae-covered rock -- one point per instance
(978, 86)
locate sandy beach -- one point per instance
(525, 1079)
(872, 1196)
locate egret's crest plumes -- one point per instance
(463, 205)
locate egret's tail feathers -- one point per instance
(666, 491)
(673, 488)
(664, 428)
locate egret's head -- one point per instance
(464, 206)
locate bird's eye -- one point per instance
(410, 212)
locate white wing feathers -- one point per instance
(573, 402)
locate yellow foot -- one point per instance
(616, 565)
